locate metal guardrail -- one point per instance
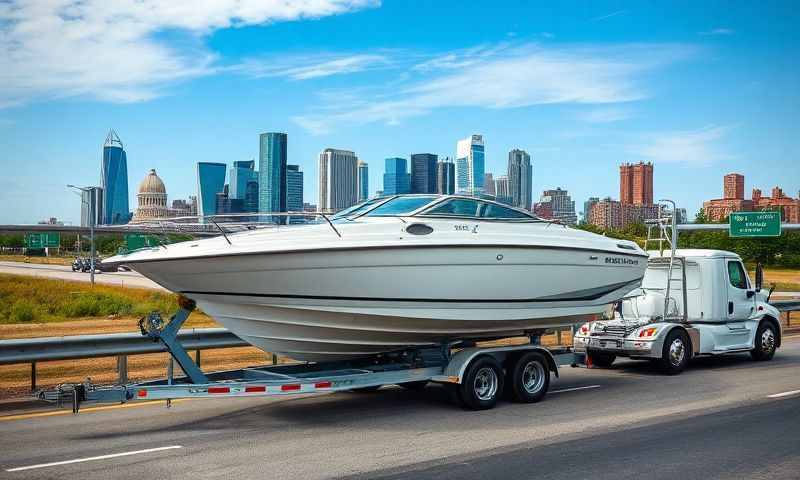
(30, 350)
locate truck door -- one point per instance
(740, 306)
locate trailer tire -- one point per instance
(601, 359)
(529, 378)
(482, 385)
(765, 341)
(415, 386)
(675, 353)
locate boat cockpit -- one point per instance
(435, 206)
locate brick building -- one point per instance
(719, 209)
(636, 183)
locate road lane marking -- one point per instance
(23, 416)
(574, 389)
(92, 459)
(783, 394)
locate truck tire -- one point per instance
(482, 384)
(764, 344)
(601, 359)
(529, 378)
(675, 353)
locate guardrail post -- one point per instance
(197, 357)
(274, 359)
(33, 376)
(122, 368)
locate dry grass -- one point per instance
(26, 299)
(40, 260)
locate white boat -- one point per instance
(396, 273)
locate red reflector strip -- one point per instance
(255, 389)
(322, 385)
(290, 387)
(141, 393)
(219, 389)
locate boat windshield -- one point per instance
(401, 205)
(357, 208)
(474, 208)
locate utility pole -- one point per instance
(91, 191)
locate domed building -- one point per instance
(152, 199)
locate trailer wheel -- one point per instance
(482, 385)
(764, 342)
(601, 359)
(415, 386)
(675, 353)
(529, 378)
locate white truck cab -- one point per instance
(702, 303)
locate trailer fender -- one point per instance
(455, 369)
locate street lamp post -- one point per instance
(91, 191)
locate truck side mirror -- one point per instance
(759, 276)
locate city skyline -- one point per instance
(700, 91)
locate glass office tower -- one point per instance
(272, 172)
(241, 173)
(423, 172)
(363, 181)
(396, 179)
(470, 165)
(114, 182)
(210, 182)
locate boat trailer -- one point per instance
(450, 364)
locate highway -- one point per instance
(62, 272)
(726, 417)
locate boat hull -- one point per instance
(323, 305)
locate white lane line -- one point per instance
(783, 394)
(91, 459)
(574, 388)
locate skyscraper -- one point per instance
(92, 201)
(272, 172)
(445, 177)
(294, 188)
(488, 184)
(733, 186)
(636, 183)
(210, 182)
(241, 173)
(251, 196)
(338, 180)
(114, 182)
(395, 178)
(470, 165)
(560, 204)
(502, 192)
(363, 181)
(520, 178)
(423, 172)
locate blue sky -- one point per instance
(699, 88)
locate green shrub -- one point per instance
(22, 311)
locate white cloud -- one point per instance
(306, 68)
(605, 115)
(698, 147)
(506, 76)
(718, 31)
(111, 50)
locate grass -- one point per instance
(785, 279)
(31, 299)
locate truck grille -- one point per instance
(615, 330)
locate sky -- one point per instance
(701, 89)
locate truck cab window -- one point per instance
(736, 275)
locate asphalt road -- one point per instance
(726, 417)
(62, 272)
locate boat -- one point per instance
(397, 273)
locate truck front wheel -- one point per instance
(675, 353)
(764, 345)
(601, 359)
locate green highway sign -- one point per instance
(43, 240)
(135, 241)
(755, 224)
